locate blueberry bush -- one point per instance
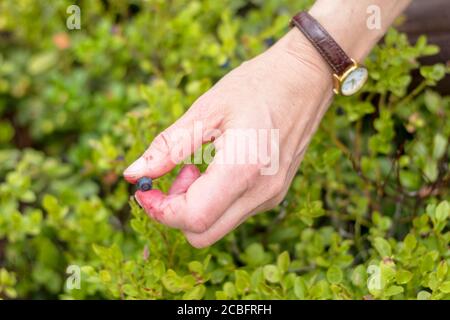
(367, 215)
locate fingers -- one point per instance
(174, 144)
(230, 220)
(188, 174)
(153, 200)
(204, 201)
(241, 210)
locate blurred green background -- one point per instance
(366, 216)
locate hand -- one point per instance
(287, 88)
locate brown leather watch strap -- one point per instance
(323, 42)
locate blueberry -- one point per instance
(226, 64)
(269, 41)
(145, 184)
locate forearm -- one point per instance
(353, 23)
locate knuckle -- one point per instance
(250, 175)
(277, 188)
(161, 142)
(197, 224)
(169, 210)
(207, 110)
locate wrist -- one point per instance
(304, 60)
(334, 35)
(351, 25)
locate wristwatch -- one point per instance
(348, 76)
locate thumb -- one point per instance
(172, 146)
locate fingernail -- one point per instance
(137, 200)
(148, 209)
(136, 168)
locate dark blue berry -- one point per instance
(226, 64)
(269, 41)
(145, 184)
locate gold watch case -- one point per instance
(340, 80)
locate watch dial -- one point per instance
(354, 81)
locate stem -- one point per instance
(341, 146)
(414, 93)
(358, 139)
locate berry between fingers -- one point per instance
(145, 184)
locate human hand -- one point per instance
(284, 93)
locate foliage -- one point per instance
(366, 217)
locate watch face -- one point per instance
(354, 81)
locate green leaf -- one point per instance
(356, 111)
(330, 157)
(410, 242)
(439, 146)
(431, 50)
(442, 211)
(158, 268)
(195, 293)
(6, 132)
(410, 179)
(427, 262)
(433, 73)
(230, 290)
(432, 281)
(88, 270)
(431, 170)
(387, 272)
(255, 255)
(272, 273)
(334, 275)
(312, 209)
(393, 290)
(42, 62)
(283, 261)
(320, 290)
(382, 246)
(442, 270)
(242, 281)
(221, 295)
(359, 275)
(300, 288)
(172, 282)
(445, 287)
(433, 101)
(403, 276)
(196, 267)
(28, 196)
(105, 276)
(423, 295)
(129, 290)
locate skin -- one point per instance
(289, 88)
